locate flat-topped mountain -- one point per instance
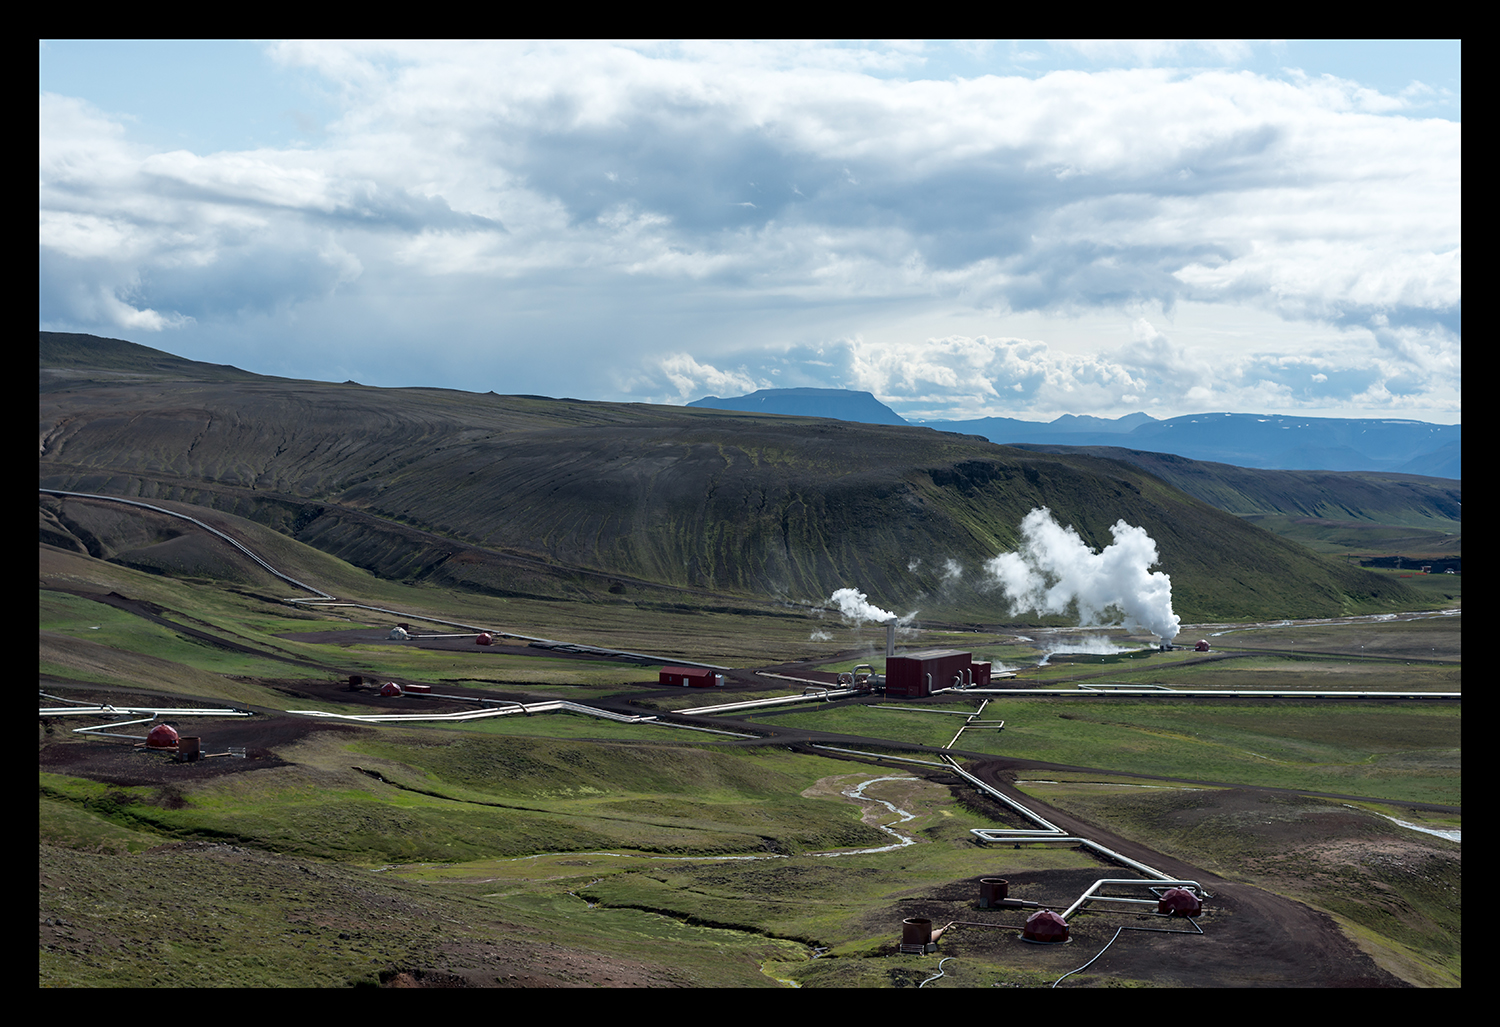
(1279, 441)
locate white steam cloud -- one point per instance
(855, 608)
(1055, 571)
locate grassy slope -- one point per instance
(1344, 512)
(309, 915)
(115, 913)
(516, 496)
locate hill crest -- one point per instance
(508, 494)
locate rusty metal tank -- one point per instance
(916, 930)
(993, 891)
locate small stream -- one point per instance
(857, 794)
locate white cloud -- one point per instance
(693, 380)
(545, 184)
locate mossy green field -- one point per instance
(640, 855)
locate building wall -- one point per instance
(688, 677)
(909, 675)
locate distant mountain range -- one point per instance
(1275, 441)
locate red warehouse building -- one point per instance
(927, 670)
(690, 677)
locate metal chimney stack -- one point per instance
(890, 639)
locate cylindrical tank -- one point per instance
(162, 736)
(188, 748)
(916, 930)
(390, 688)
(992, 891)
(484, 638)
(1045, 927)
(1179, 902)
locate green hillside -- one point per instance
(1354, 513)
(1374, 497)
(633, 503)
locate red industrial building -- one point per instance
(923, 672)
(690, 677)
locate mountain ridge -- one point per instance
(1241, 439)
(444, 488)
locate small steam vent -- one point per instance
(1179, 902)
(162, 736)
(1045, 928)
(484, 638)
(390, 689)
(398, 634)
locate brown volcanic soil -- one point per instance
(118, 761)
(1252, 937)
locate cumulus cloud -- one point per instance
(705, 185)
(692, 379)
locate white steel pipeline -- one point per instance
(98, 729)
(484, 714)
(1038, 837)
(546, 707)
(1089, 896)
(750, 704)
(158, 711)
(324, 597)
(1007, 800)
(878, 755)
(173, 513)
(967, 723)
(1049, 833)
(545, 643)
(920, 709)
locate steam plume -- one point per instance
(1054, 570)
(855, 607)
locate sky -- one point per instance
(1012, 228)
